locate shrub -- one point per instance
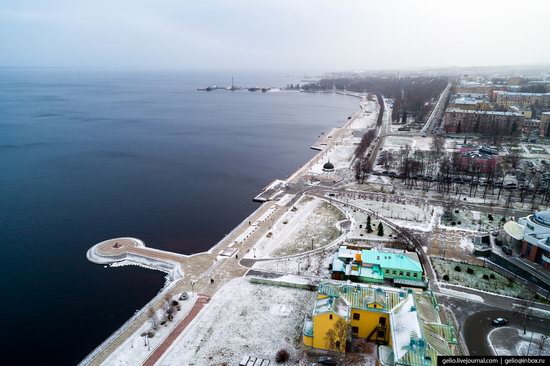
(175, 303)
(456, 211)
(492, 276)
(485, 277)
(150, 334)
(458, 269)
(490, 217)
(282, 356)
(470, 271)
(453, 223)
(460, 222)
(446, 278)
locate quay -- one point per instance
(201, 273)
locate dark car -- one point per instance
(499, 322)
(324, 360)
(507, 250)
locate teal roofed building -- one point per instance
(378, 266)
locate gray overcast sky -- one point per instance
(289, 35)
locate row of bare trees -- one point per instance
(412, 94)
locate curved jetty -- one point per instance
(133, 251)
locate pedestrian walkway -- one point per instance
(159, 351)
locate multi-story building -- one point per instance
(478, 159)
(507, 99)
(405, 323)
(472, 101)
(544, 126)
(533, 234)
(526, 111)
(468, 87)
(374, 265)
(489, 122)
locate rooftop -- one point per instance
(521, 94)
(458, 110)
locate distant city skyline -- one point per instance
(290, 36)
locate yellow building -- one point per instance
(405, 323)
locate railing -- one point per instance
(99, 349)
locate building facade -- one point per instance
(483, 122)
(533, 234)
(473, 101)
(544, 126)
(508, 99)
(405, 323)
(377, 266)
(477, 159)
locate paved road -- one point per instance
(438, 111)
(159, 351)
(474, 321)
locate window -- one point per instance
(380, 334)
(388, 271)
(382, 321)
(408, 274)
(330, 316)
(355, 330)
(394, 273)
(356, 316)
(415, 275)
(401, 273)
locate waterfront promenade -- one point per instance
(202, 273)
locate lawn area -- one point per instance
(493, 282)
(474, 220)
(319, 226)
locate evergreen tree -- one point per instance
(369, 227)
(380, 229)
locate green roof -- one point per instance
(360, 296)
(388, 259)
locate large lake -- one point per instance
(90, 155)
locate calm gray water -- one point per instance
(89, 155)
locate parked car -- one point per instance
(507, 250)
(325, 360)
(498, 322)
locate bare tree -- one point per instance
(337, 337)
(438, 145)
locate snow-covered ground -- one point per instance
(313, 220)
(474, 220)
(340, 155)
(366, 119)
(244, 319)
(314, 264)
(497, 284)
(402, 213)
(508, 341)
(136, 349)
(358, 228)
(461, 294)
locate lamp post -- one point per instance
(299, 263)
